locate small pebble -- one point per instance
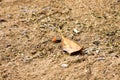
(56, 39)
(34, 28)
(76, 31)
(97, 51)
(85, 51)
(101, 58)
(9, 16)
(64, 65)
(26, 59)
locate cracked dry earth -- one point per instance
(27, 27)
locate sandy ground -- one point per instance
(27, 27)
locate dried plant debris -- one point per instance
(69, 46)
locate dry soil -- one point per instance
(27, 28)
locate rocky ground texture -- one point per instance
(28, 26)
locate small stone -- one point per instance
(9, 16)
(64, 65)
(26, 59)
(56, 39)
(85, 51)
(101, 58)
(22, 54)
(76, 31)
(34, 28)
(97, 51)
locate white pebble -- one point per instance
(34, 28)
(64, 65)
(76, 31)
(101, 58)
(97, 51)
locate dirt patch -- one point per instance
(26, 30)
